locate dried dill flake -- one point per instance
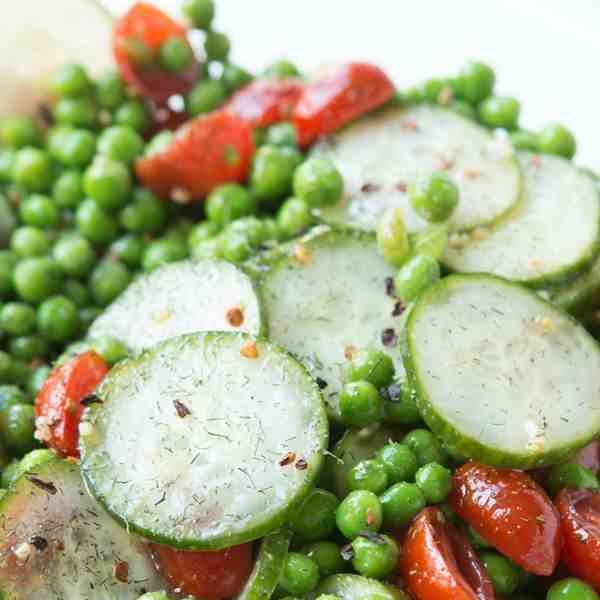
(398, 309)
(321, 383)
(389, 337)
(91, 399)
(47, 486)
(181, 409)
(301, 464)
(390, 287)
(39, 543)
(288, 459)
(369, 188)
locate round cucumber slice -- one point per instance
(56, 543)
(356, 587)
(205, 441)
(551, 236)
(502, 376)
(325, 296)
(179, 298)
(380, 155)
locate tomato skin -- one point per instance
(208, 151)
(205, 575)
(512, 512)
(338, 98)
(153, 27)
(438, 562)
(580, 522)
(265, 102)
(59, 400)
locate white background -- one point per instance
(546, 52)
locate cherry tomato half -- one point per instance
(205, 575)
(342, 96)
(148, 25)
(58, 405)
(580, 523)
(512, 512)
(438, 561)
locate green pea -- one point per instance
(132, 114)
(129, 249)
(401, 503)
(207, 249)
(557, 139)
(300, 574)
(282, 134)
(234, 77)
(233, 246)
(29, 241)
(57, 319)
(9, 396)
(18, 132)
(110, 349)
(217, 46)
(476, 81)
(77, 292)
(400, 404)
(37, 379)
(433, 89)
(205, 97)
(107, 281)
(571, 589)
(202, 232)
(315, 518)
(416, 276)
(160, 142)
(525, 140)
(8, 262)
(360, 404)
(259, 135)
(431, 241)
(318, 182)
(370, 475)
(4, 462)
(70, 80)
(17, 318)
(463, 109)
(161, 252)
(372, 365)
(273, 171)
(79, 112)
(399, 462)
(293, 217)
(250, 227)
(272, 230)
(199, 13)
(121, 143)
(282, 69)
(38, 210)
(505, 575)
(33, 170)
(434, 198)
(7, 161)
(19, 371)
(500, 112)
(94, 223)
(425, 447)
(75, 255)
(146, 214)
(68, 189)
(360, 511)
(28, 347)
(375, 558)
(435, 481)
(20, 427)
(175, 55)
(110, 90)
(37, 278)
(88, 315)
(10, 474)
(327, 556)
(229, 202)
(108, 183)
(392, 237)
(570, 475)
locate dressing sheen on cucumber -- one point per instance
(380, 155)
(56, 543)
(356, 587)
(502, 376)
(205, 441)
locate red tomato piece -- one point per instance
(589, 457)
(58, 405)
(149, 25)
(438, 561)
(512, 512)
(207, 152)
(580, 523)
(338, 98)
(205, 575)
(264, 102)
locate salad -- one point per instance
(286, 336)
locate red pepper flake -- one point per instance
(370, 517)
(389, 337)
(349, 352)
(402, 187)
(122, 571)
(369, 188)
(235, 316)
(443, 163)
(249, 350)
(409, 125)
(59, 545)
(472, 173)
(47, 486)
(181, 409)
(288, 459)
(445, 96)
(39, 543)
(390, 287)
(399, 308)
(536, 160)
(301, 254)
(301, 464)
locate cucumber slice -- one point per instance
(268, 566)
(179, 298)
(501, 375)
(186, 444)
(553, 234)
(380, 155)
(57, 544)
(325, 296)
(356, 587)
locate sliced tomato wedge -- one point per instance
(267, 101)
(205, 575)
(58, 405)
(147, 24)
(580, 522)
(438, 561)
(208, 151)
(342, 96)
(512, 512)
